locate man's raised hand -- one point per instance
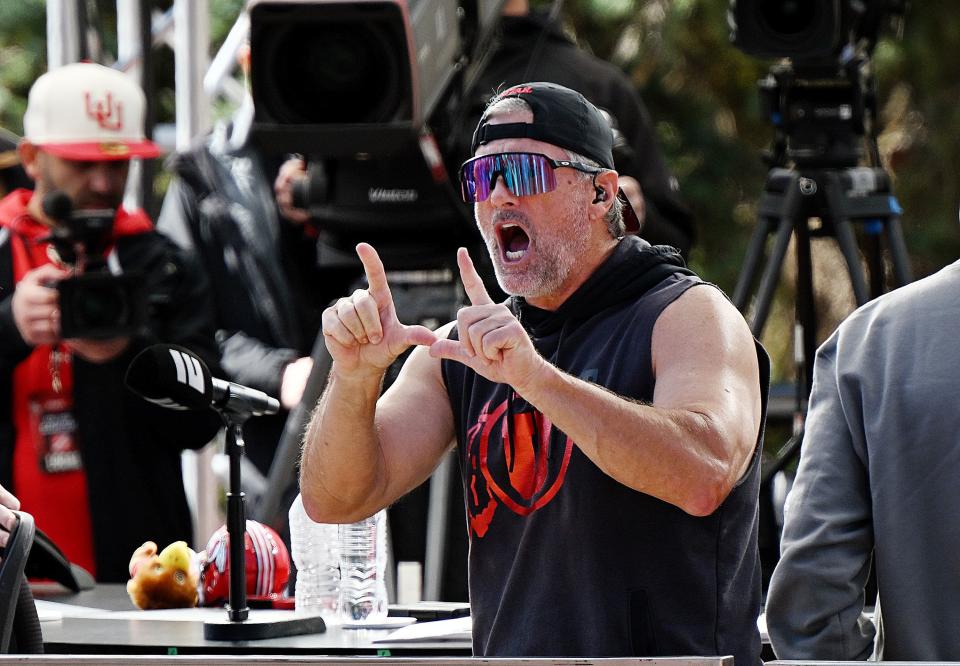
(36, 305)
(492, 341)
(362, 331)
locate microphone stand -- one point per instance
(238, 626)
(237, 609)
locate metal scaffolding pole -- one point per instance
(63, 32)
(130, 50)
(192, 40)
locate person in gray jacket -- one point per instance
(878, 480)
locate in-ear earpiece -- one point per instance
(601, 195)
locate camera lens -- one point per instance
(335, 71)
(788, 17)
(101, 307)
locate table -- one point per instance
(130, 634)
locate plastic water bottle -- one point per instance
(363, 565)
(316, 552)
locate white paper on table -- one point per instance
(199, 614)
(455, 629)
(49, 615)
(53, 610)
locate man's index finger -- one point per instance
(472, 283)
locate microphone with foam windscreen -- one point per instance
(57, 206)
(176, 378)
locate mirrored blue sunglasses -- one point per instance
(524, 174)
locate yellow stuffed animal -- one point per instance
(167, 580)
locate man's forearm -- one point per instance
(341, 470)
(677, 455)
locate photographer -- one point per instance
(258, 266)
(98, 467)
(261, 266)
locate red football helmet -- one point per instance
(268, 565)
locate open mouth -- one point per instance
(514, 241)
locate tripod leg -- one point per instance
(847, 242)
(771, 275)
(751, 263)
(898, 252)
(874, 251)
(805, 325)
(834, 193)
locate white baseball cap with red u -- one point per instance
(89, 112)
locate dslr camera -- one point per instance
(94, 303)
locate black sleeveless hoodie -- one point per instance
(566, 561)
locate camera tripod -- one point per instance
(839, 199)
(803, 204)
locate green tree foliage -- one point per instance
(23, 47)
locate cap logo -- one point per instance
(107, 114)
(517, 90)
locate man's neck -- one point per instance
(35, 208)
(552, 302)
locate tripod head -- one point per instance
(821, 96)
(821, 118)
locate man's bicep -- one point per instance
(414, 422)
(705, 360)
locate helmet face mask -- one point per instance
(267, 565)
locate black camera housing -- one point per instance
(366, 89)
(100, 305)
(797, 29)
(806, 31)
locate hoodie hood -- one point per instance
(516, 31)
(631, 270)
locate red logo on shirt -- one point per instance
(522, 471)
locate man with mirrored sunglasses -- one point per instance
(607, 416)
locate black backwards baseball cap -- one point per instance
(564, 118)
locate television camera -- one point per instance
(94, 303)
(826, 180)
(367, 90)
(821, 98)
